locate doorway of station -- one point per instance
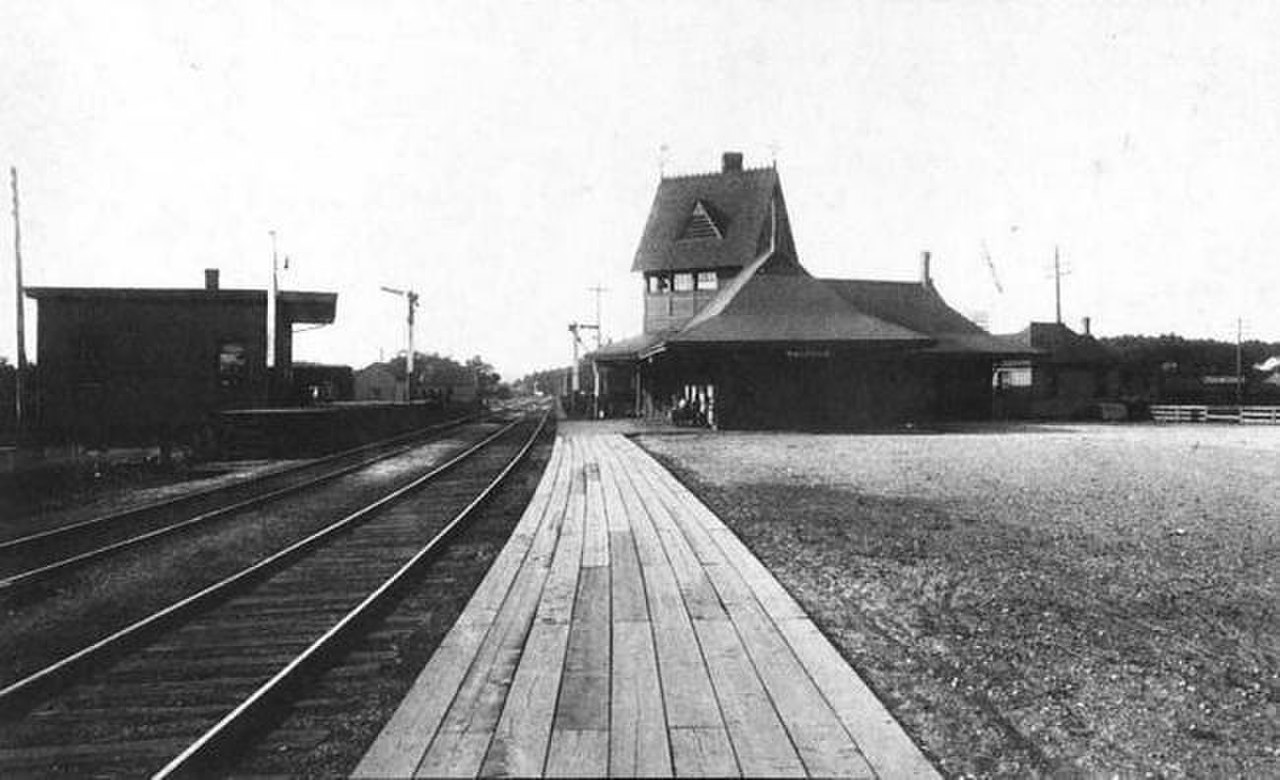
(696, 406)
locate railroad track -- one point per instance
(44, 556)
(175, 690)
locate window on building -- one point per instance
(232, 364)
(659, 283)
(707, 280)
(683, 282)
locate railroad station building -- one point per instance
(128, 365)
(738, 334)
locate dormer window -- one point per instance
(702, 223)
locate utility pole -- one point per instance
(1057, 286)
(1239, 363)
(18, 405)
(271, 305)
(411, 298)
(1058, 273)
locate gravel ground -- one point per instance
(1032, 599)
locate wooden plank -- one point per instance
(595, 547)
(562, 581)
(638, 728)
(824, 746)
(648, 546)
(584, 686)
(477, 706)
(676, 498)
(880, 738)
(759, 739)
(700, 598)
(703, 752)
(544, 543)
(519, 746)
(627, 583)
(686, 686)
(454, 754)
(614, 508)
(578, 753)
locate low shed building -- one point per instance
(128, 365)
(1067, 374)
(738, 334)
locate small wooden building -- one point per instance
(1066, 375)
(128, 365)
(738, 334)
(377, 382)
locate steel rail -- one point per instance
(40, 573)
(14, 695)
(196, 759)
(8, 545)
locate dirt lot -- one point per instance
(1032, 600)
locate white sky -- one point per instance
(502, 157)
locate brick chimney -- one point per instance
(925, 279)
(732, 162)
(211, 279)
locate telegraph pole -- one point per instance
(18, 405)
(1057, 286)
(1239, 363)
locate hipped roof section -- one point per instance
(918, 306)
(1062, 345)
(740, 203)
(776, 300)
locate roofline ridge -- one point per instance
(708, 174)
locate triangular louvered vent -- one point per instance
(701, 224)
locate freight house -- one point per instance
(127, 365)
(737, 334)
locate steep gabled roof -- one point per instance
(738, 202)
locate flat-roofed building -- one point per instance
(130, 365)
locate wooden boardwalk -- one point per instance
(623, 631)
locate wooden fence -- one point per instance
(1245, 415)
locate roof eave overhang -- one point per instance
(792, 343)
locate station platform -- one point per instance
(623, 631)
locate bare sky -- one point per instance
(501, 157)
